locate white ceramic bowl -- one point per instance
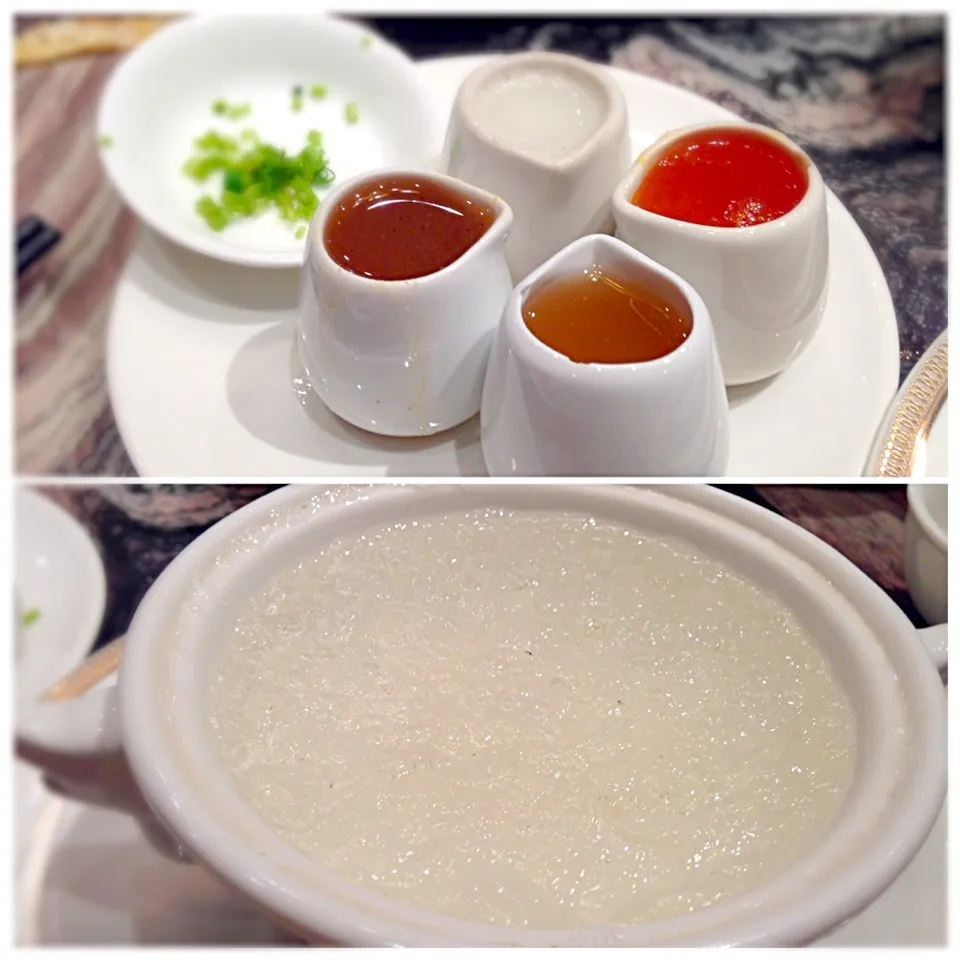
(925, 556)
(765, 285)
(900, 706)
(403, 358)
(556, 200)
(545, 415)
(158, 101)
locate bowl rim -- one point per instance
(388, 55)
(893, 836)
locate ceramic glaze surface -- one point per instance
(533, 719)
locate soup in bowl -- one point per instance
(528, 715)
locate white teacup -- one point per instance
(764, 285)
(157, 717)
(403, 358)
(545, 415)
(925, 557)
(548, 133)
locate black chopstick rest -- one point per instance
(35, 239)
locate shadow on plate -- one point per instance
(266, 387)
(120, 891)
(268, 394)
(201, 287)
(745, 392)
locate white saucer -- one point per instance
(202, 375)
(59, 573)
(91, 879)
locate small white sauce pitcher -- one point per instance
(555, 202)
(402, 358)
(765, 286)
(545, 415)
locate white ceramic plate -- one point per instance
(59, 573)
(159, 100)
(912, 439)
(204, 382)
(90, 879)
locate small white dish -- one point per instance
(210, 347)
(544, 415)
(764, 285)
(912, 440)
(159, 99)
(548, 133)
(925, 556)
(402, 358)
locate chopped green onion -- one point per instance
(318, 91)
(233, 181)
(235, 111)
(30, 616)
(351, 114)
(301, 233)
(212, 212)
(106, 141)
(366, 40)
(297, 98)
(256, 176)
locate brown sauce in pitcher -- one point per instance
(402, 227)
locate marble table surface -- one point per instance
(140, 528)
(864, 95)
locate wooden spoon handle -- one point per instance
(97, 667)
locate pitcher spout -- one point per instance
(500, 228)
